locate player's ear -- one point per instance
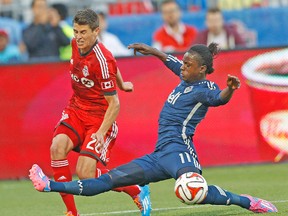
(203, 68)
(97, 30)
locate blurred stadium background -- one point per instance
(251, 129)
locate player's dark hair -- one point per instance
(167, 2)
(87, 17)
(33, 3)
(205, 55)
(61, 9)
(214, 10)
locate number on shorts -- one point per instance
(182, 157)
(91, 146)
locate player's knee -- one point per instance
(85, 172)
(128, 174)
(60, 147)
(57, 151)
(82, 175)
(191, 188)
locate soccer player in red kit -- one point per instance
(88, 122)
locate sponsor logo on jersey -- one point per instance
(87, 82)
(211, 85)
(173, 97)
(85, 71)
(75, 77)
(188, 89)
(107, 85)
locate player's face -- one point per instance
(85, 37)
(191, 71)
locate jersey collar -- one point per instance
(85, 54)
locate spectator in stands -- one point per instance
(9, 53)
(41, 38)
(225, 35)
(111, 41)
(173, 36)
(8, 12)
(59, 13)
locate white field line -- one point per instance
(164, 209)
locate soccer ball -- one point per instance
(191, 188)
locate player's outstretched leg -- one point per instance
(258, 205)
(40, 181)
(140, 195)
(218, 196)
(143, 201)
(86, 187)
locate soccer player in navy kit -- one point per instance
(175, 153)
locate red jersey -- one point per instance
(93, 75)
(167, 42)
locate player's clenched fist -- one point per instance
(233, 82)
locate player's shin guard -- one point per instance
(62, 173)
(132, 191)
(218, 196)
(85, 187)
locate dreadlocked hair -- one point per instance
(205, 55)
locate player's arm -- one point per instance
(233, 83)
(213, 96)
(170, 61)
(109, 118)
(148, 50)
(124, 86)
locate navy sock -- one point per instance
(86, 187)
(218, 196)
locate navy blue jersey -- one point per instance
(185, 107)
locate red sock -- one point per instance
(132, 190)
(62, 173)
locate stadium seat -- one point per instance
(134, 7)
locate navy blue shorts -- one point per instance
(169, 163)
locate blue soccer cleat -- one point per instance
(258, 205)
(40, 181)
(143, 201)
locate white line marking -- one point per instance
(165, 209)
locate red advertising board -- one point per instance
(33, 96)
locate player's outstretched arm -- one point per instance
(124, 86)
(233, 83)
(147, 50)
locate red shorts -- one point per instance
(79, 126)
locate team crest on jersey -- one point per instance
(188, 89)
(85, 71)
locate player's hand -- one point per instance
(99, 137)
(127, 87)
(141, 48)
(233, 82)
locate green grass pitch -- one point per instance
(269, 181)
